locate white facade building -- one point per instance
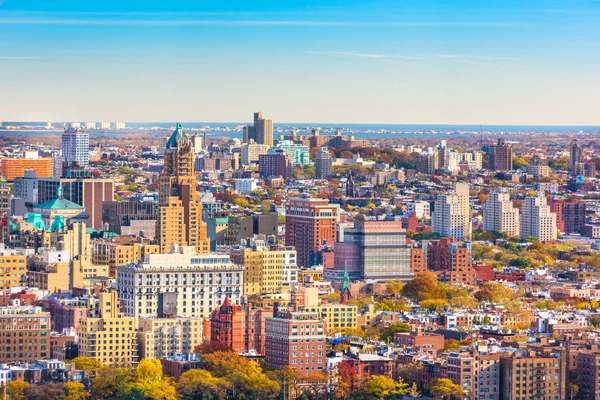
(452, 214)
(201, 282)
(500, 215)
(76, 145)
(537, 220)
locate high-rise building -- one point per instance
(309, 223)
(261, 132)
(277, 164)
(4, 209)
(119, 125)
(198, 282)
(296, 340)
(570, 216)
(323, 164)
(104, 125)
(537, 220)
(268, 269)
(450, 259)
(76, 146)
(107, 335)
(500, 215)
(374, 250)
(24, 333)
(574, 154)
(452, 213)
(500, 157)
(180, 205)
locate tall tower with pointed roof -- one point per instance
(180, 207)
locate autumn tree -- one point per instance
(388, 333)
(150, 381)
(88, 364)
(199, 384)
(443, 387)
(74, 391)
(114, 383)
(380, 387)
(245, 377)
(16, 390)
(414, 392)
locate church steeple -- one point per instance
(346, 294)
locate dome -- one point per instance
(234, 141)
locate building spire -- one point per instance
(346, 294)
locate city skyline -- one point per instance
(513, 63)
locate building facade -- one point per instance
(500, 215)
(195, 284)
(537, 220)
(180, 206)
(309, 223)
(296, 340)
(76, 146)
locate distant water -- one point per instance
(233, 129)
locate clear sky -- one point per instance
(363, 61)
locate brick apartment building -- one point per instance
(296, 340)
(450, 259)
(309, 223)
(24, 334)
(239, 328)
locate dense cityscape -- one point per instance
(291, 264)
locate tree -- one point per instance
(444, 387)
(422, 287)
(245, 377)
(199, 384)
(394, 287)
(113, 383)
(47, 391)
(451, 345)
(74, 391)
(286, 378)
(16, 390)
(520, 262)
(388, 333)
(414, 392)
(150, 381)
(91, 365)
(381, 387)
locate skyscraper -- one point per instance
(500, 215)
(309, 223)
(575, 154)
(452, 213)
(537, 220)
(180, 205)
(323, 164)
(500, 157)
(261, 132)
(76, 145)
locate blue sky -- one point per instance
(377, 61)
